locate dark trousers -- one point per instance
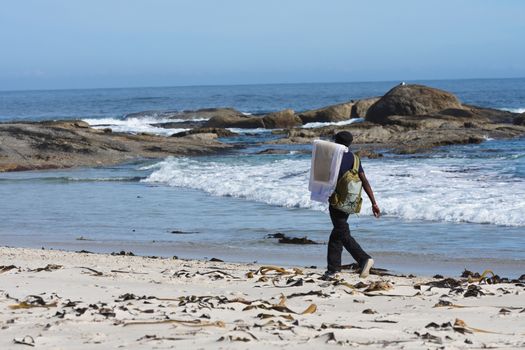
(339, 238)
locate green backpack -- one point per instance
(347, 194)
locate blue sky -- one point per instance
(119, 43)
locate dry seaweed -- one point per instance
(318, 293)
(155, 337)
(95, 272)
(189, 323)
(263, 270)
(32, 301)
(5, 268)
(27, 340)
(48, 267)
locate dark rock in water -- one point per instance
(335, 113)
(438, 276)
(188, 124)
(220, 132)
(360, 108)
(275, 235)
(235, 121)
(216, 260)
(366, 153)
(290, 240)
(521, 278)
(410, 100)
(281, 120)
(519, 120)
(295, 240)
(178, 232)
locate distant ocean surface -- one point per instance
(454, 207)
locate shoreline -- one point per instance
(397, 264)
(51, 298)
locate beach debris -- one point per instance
(188, 323)
(48, 267)
(378, 286)
(329, 338)
(318, 293)
(444, 283)
(155, 337)
(429, 337)
(133, 272)
(123, 253)
(263, 270)
(236, 337)
(5, 268)
(434, 325)
(504, 311)
(216, 260)
(473, 291)
(94, 272)
(446, 303)
(369, 311)
(27, 340)
(84, 251)
(280, 307)
(217, 274)
(32, 301)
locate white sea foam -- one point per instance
(249, 131)
(136, 125)
(431, 189)
(344, 122)
(514, 110)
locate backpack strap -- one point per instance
(355, 169)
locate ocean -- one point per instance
(452, 208)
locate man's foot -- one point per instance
(365, 270)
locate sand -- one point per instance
(64, 300)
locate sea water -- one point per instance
(452, 208)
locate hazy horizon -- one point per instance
(58, 44)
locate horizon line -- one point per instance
(252, 84)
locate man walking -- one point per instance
(340, 236)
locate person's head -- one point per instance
(344, 138)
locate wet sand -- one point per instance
(63, 300)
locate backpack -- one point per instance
(347, 194)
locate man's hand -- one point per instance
(376, 211)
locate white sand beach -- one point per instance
(64, 300)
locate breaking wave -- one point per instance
(430, 189)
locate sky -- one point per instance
(59, 44)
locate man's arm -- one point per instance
(370, 193)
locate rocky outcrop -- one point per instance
(281, 120)
(519, 120)
(245, 122)
(411, 100)
(360, 108)
(64, 144)
(335, 113)
(219, 132)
